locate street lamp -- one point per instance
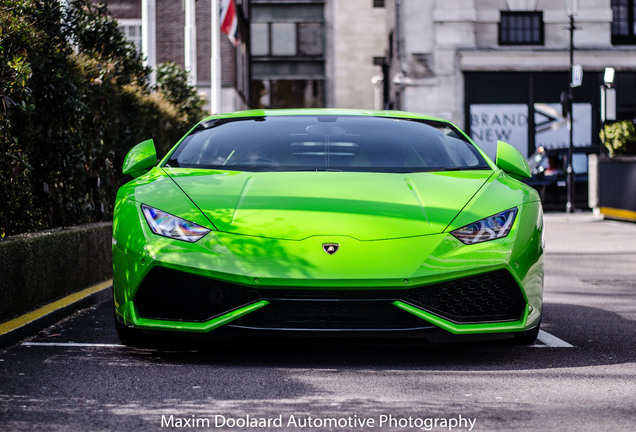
(608, 76)
(572, 7)
(608, 97)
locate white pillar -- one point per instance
(190, 41)
(149, 37)
(215, 60)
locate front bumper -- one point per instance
(228, 283)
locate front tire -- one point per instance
(135, 338)
(127, 336)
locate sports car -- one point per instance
(325, 222)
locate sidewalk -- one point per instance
(586, 233)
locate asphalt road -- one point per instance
(581, 376)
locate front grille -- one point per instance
(487, 297)
(331, 315)
(172, 295)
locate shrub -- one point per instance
(619, 138)
(172, 80)
(74, 98)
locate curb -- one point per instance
(26, 325)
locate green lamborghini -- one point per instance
(327, 222)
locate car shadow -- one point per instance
(598, 337)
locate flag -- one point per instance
(229, 21)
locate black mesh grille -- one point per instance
(173, 295)
(331, 315)
(493, 296)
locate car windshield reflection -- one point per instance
(333, 143)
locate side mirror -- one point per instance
(140, 159)
(512, 161)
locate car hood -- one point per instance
(298, 205)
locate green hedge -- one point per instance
(38, 268)
(74, 99)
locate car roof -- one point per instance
(325, 111)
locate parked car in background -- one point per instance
(549, 178)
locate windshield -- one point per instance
(326, 142)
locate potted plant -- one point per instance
(619, 138)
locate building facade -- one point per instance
(174, 30)
(288, 53)
(316, 53)
(358, 42)
(293, 53)
(498, 67)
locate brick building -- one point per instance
(169, 37)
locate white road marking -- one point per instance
(546, 341)
(551, 341)
(72, 344)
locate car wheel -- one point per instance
(137, 339)
(128, 336)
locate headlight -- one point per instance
(491, 228)
(167, 225)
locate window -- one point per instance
(304, 39)
(288, 93)
(579, 163)
(310, 39)
(131, 28)
(260, 39)
(521, 28)
(623, 25)
(378, 3)
(283, 39)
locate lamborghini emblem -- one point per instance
(331, 248)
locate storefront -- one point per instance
(524, 109)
